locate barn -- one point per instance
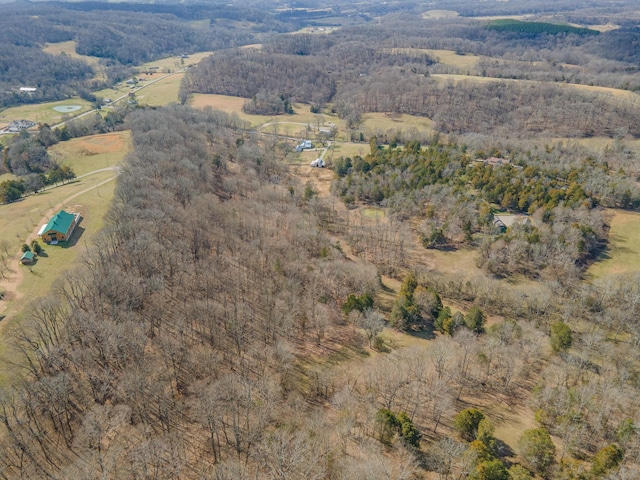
(59, 228)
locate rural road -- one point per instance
(12, 283)
(122, 97)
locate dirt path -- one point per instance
(11, 284)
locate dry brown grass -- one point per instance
(86, 154)
(439, 14)
(69, 49)
(373, 123)
(446, 57)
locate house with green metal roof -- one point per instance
(27, 258)
(59, 228)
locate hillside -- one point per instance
(451, 293)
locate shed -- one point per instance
(27, 258)
(59, 228)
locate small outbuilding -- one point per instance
(59, 228)
(318, 163)
(27, 258)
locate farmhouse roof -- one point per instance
(60, 222)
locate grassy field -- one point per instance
(39, 278)
(439, 14)
(227, 104)
(172, 64)
(623, 256)
(69, 49)
(162, 92)
(631, 97)
(20, 218)
(381, 122)
(86, 154)
(42, 112)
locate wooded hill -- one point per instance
(121, 35)
(211, 333)
(384, 68)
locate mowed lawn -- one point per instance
(87, 154)
(43, 112)
(92, 206)
(623, 255)
(163, 92)
(20, 218)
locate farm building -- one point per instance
(304, 144)
(27, 258)
(59, 228)
(28, 89)
(17, 126)
(318, 162)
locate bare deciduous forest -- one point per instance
(238, 318)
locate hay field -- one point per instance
(226, 104)
(161, 93)
(87, 154)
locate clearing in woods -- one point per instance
(69, 49)
(30, 283)
(90, 196)
(623, 254)
(87, 154)
(163, 92)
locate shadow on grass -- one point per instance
(424, 334)
(75, 236)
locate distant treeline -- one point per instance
(536, 28)
(385, 68)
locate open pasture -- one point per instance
(623, 254)
(87, 154)
(44, 112)
(69, 49)
(375, 123)
(162, 92)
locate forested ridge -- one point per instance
(243, 315)
(217, 330)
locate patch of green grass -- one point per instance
(623, 255)
(373, 213)
(161, 93)
(20, 218)
(43, 112)
(380, 123)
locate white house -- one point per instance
(304, 144)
